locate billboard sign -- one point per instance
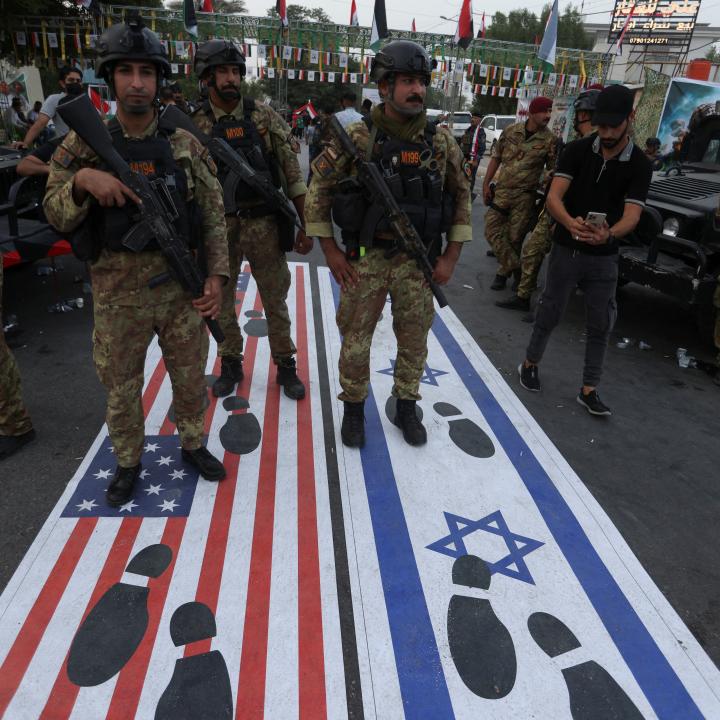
(668, 24)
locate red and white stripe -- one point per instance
(250, 549)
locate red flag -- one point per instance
(354, 22)
(414, 29)
(464, 33)
(207, 6)
(621, 37)
(482, 26)
(281, 8)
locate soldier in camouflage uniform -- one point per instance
(523, 149)
(255, 231)
(16, 428)
(127, 311)
(537, 246)
(425, 167)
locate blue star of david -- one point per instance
(518, 546)
(428, 377)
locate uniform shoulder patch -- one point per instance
(294, 144)
(324, 164)
(207, 158)
(63, 157)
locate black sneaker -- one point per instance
(515, 303)
(10, 444)
(592, 403)
(529, 377)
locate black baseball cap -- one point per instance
(614, 104)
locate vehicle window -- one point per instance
(505, 122)
(491, 124)
(462, 117)
(711, 153)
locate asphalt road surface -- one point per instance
(653, 466)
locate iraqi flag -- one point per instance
(207, 6)
(481, 34)
(464, 33)
(379, 31)
(354, 22)
(189, 17)
(413, 28)
(548, 45)
(281, 8)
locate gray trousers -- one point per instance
(596, 275)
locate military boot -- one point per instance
(121, 488)
(205, 463)
(287, 377)
(10, 444)
(231, 372)
(408, 421)
(499, 282)
(352, 430)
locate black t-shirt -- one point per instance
(599, 185)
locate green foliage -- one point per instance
(229, 7)
(488, 105)
(298, 13)
(524, 26)
(712, 54)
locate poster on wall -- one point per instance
(684, 98)
(562, 116)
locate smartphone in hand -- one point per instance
(596, 219)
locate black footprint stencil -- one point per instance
(594, 693)
(466, 434)
(113, 629)
(391, 410)
(480, 645)
(241, 433)
(200, 684)
(257, 325)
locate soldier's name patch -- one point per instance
(410, 157)
(63, 157)
(234, 132)
(143, 167)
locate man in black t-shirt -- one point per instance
(603, 173)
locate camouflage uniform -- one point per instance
(14, 418)
(256, 239)
(522, 162)
(534, 250)
(128, 312)
(412, 302)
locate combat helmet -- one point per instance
(402, 56)
(130, 40)
(218, 52)
(586, 100)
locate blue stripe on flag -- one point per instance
(662, 687)
(422, 681)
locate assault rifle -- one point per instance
(239, 169)
(157, 211)
(372, 180)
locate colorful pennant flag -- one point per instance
(379, 31)
(189, 17)
(464, 33)
(548, 46)
(354, 22)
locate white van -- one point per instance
(461, 120)
(493, 126)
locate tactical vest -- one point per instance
(243, 136)
(412, 174)
(152, 156)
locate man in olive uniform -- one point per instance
(523, 150)
(127, 310)
(16, 427)
(425, 167)
(254, 229)
(537, 246)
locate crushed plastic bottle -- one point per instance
(685, 360)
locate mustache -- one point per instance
(414, 98)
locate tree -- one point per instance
(712, 54)
(300, 13)
(227, 7)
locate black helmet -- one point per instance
(402, 56)
(218, 52)
(586, 100)
(130, 41)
